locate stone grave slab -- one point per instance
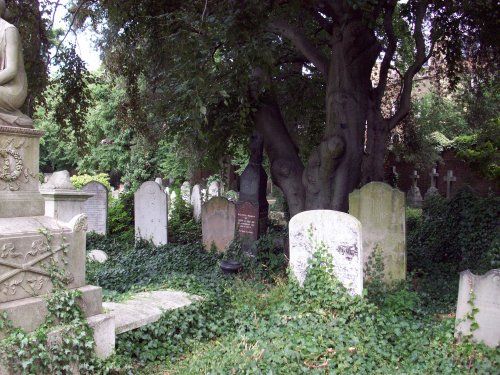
(381, 211)
(486, 292)
(145, 308)
(151, 213)
(96, 207)
(218, 223)
(340, 233)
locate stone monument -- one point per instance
(340, 233)
(433, 190)
(29, 240)
(252, 208)
(13, 82)
(214, 189)
(151, 213)
(218, 223)
(62, 201)
(449, 179)
(381, 211)
(413, 197)
(482, 292)
(96, 207)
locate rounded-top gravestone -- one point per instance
(151, 213)
(96, 207)
(340, 233)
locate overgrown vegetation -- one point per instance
(258, 322)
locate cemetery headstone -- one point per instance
(160, 181)
(433, 190)
(340, 233)
(252, 208)
(483, 292)
(96, 207)
(97, 256)
(381, 211)
(414, 198)
(151, 213)
(449, 178)
(218, 223)
(196, 202)
(186, 192)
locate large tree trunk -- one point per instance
(286, 166)
(334, 168)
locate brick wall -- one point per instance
(461, 170)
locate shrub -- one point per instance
(182, 227)
(121, 217)
(80, 180)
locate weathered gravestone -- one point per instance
(96, 207)
(196, 202)
(340, 233)
(186, 192)
(252, 208)
(381, 211)
(218, 223)
(482, 292)
(151, 213)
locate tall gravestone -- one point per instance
(381, 211)
(340, 233)
(252, 208)
(96, 207)
(483, 293)
(196, 202)
(218, 223)
(151, 213)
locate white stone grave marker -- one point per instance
(486, 292)
(196, 202)
(340, 233)
(151, 213)
(96, 207)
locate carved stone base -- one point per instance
(30, 313)
(30, 246)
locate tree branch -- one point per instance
(322, 21)
(389, 53)
(302, 43)
(420, 58)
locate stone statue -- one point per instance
(13, 82)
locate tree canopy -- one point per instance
(325, 82)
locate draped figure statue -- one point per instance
(13, 82)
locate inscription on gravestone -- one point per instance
(252, 207)
(96, 207)
(340, 233)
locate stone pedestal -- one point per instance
(63, 203)
(31, 243)
(19, 195)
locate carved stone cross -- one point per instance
(433, 175)
(432, 189)
(449, 178)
